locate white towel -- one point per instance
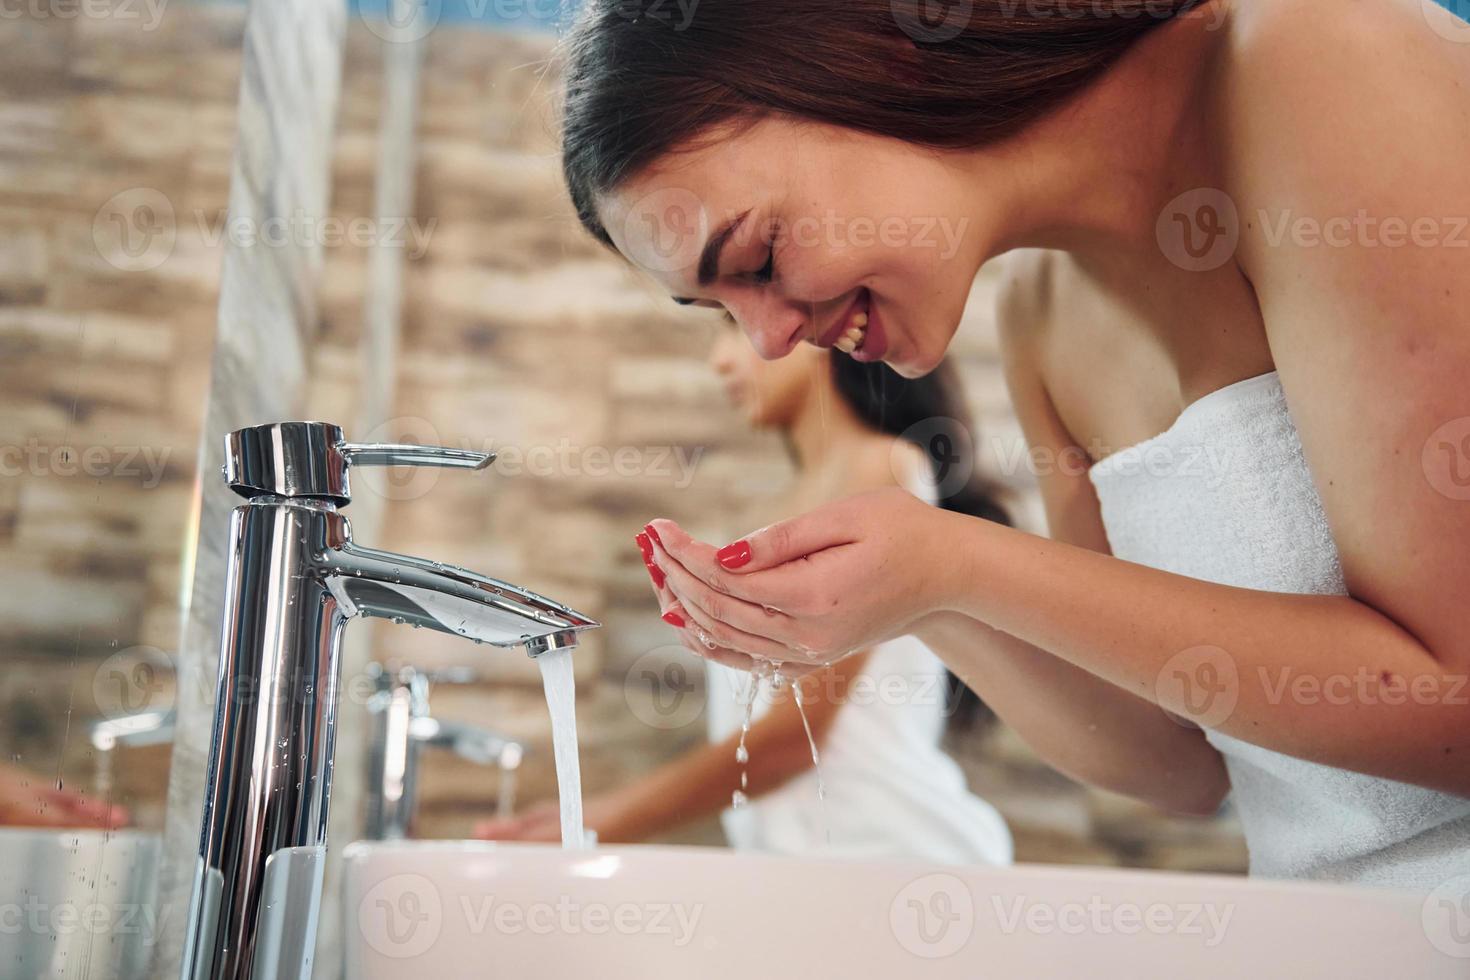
(1225, 495)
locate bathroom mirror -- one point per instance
(121, 126)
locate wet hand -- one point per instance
(692, 630)
(805, 591)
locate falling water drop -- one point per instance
(816, 759)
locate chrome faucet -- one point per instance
(294, 579)
(401, 727)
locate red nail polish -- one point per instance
(655, 573)
(734, 555)
(653, 534)
(645, 546)
(673, 619)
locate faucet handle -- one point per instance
(410, 454)
(311, 459)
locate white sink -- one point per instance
(440, 910)
(77, 903)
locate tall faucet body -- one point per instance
(293, 580)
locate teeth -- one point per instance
(856, 333)
(845, 344)
(860, 320)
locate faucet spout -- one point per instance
(433, 595)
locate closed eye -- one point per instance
(766, 272)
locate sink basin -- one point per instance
(77, 903)
(426, 909)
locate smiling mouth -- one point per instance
(857, 331)
(850, 330)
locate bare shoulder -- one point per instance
(1346, 124)
(1304, 37)
(1344, 100)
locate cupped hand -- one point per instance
(758, 658)
(805, 591)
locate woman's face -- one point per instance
(769, 393)
(803, 231)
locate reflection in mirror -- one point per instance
(120, 122)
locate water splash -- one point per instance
(747, 696)
(816, 757)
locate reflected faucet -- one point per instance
(294, 578)
(401, 727)
(133, 731)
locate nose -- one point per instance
(774, 328)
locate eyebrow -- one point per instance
(709, 257)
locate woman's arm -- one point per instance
(1080, 724)
(1077, 722)
(1324, 678)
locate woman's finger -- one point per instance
(712, 634)
(645, 548)
(733, 659)
(720, 633)
(788, 540)
(730, 621)
(670, 541)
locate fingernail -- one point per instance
(653, 534)
(673, 619)
(645, 546)
(734, 555)
(655, 573)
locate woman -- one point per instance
(1222, 180)
(878, 715)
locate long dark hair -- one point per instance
(641, 83)
(932, 414)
